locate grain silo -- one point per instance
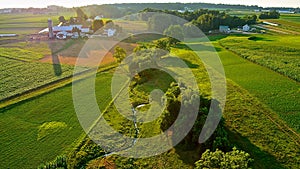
(50, 27)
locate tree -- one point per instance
(269, 15)
(235, 159)
(163, 43)
(119, 54)
(97, 24)
(175, 34)
(62, 19)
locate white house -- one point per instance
(224, 29)
(246, 28)
(109, 32)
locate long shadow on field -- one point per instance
(198, 47)
(55, 61)
(171, 61)
(261, 158)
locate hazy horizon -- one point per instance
(72, 3)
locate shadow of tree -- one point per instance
(189, 154)
(198, 47)
(171, 61)
(55, 60)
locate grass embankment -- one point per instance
(278, 92)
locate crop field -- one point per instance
(27, 23)
(274, 52)
(21, 62)
(41, 128)
(287, 23)
(292, 18)
(18, 77)
(279, 93)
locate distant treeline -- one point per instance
(203, 18)
(119, 10)
(269, 15)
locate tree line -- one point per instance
(204, 19)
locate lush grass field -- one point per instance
(28, 23)
(39, 129)
(274, 52)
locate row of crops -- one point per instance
(279, 54)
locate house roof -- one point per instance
(64, 28)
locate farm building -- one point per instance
(61, 32)
(246, 28)
(224, 29)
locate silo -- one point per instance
(50, 27)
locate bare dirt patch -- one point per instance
(92, 58)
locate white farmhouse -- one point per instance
(246, 28)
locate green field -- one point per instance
(280, 93)
(28, 23)
(274, 52)
(39, 129)
(252, 126)
(21, 64)
(261, 113)
(251, 123)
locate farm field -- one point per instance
(274, 52)
(278, 92)
(39, 129)
(249, 117)
(252, 126)
(37, 109)
(27, 23)
(21, 62)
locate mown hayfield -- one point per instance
(39, 129)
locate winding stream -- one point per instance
(137, 131)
